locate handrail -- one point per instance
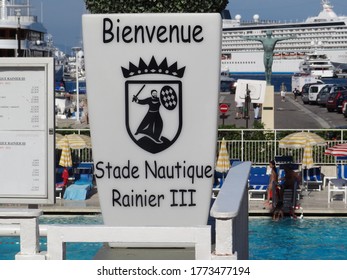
(231, 213)
(229, 199)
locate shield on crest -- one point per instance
(153, 113)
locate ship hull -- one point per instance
(252, 63)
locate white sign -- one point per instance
(26, 120)
(153, 82)
(256, 90)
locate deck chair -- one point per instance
(290, 201)
(341, 173)
(81, 189)
(84, 179)
(313, 178)
(283, 159)
(258, 183)
(218, 180)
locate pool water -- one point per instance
(306, 239)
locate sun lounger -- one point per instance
(218, 183)
(77, 192)
(80, 190)
(313, 177)
(341, 172)
(258, 184)
(337, 186)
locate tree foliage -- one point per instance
(155, 6)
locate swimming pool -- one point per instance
(306, 239)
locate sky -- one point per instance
(63, 18)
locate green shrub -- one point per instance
(155, 6)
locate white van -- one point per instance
(313, 92)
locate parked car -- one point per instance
(304, 97)
(313, 92)
(344, 108)
(335, 100)
(340, 101)
(324, 93)
(304, 92)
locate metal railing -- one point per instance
(78, 155)
(258, 146)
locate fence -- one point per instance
(258, 146)
(78, 155)
(261, 146)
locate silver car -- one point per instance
(304, 97)
(324, 93)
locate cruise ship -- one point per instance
(21, 35)
(325, 33)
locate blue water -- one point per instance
(276, 80)
(306, 239)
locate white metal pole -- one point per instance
(77, 91)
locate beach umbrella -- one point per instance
(65, 158)
(339, 150)
(75, 141)
(303, 140)
(223, 161)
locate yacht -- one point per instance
(240, 56)
(317, 64)
(21, 35)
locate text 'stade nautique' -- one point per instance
(153, 170)
(180, 197)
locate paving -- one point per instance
(314, 203)
(290, 114)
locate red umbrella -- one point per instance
(339, 150)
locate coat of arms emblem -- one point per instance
(153, 104)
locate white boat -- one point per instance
(21, 34)
(318, 65)
(240, 56)
(75, 63)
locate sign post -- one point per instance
(252, 91)
(223, 108)
(154, 157)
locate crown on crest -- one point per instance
(153, 68)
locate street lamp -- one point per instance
(18, 14)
